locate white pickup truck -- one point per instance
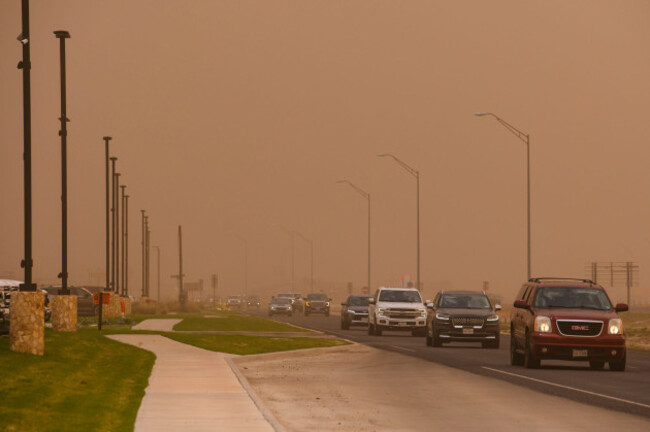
(397, 309)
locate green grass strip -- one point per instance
(84, 382)
(232, 321)
(244, 345)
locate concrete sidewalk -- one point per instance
(191, 389)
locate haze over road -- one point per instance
(620, 391)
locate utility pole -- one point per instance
(113, 160)
(143, 258)
(123, 275)
(62, 35)
(181, 293)
(26, 66)
(126, 247)
(108, 229)
(117, 234)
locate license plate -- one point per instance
(402, 324)
(579, 353)
(468, 331)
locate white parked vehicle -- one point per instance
(397, 309)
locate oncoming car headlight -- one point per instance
(442, 317)
(307, 303)
(543, 324)
(615, 326)
(493, 317)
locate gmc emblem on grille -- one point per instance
(580, 327)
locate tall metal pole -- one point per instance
(415, 173)
(181, 293)
(526, 139)
(126, 246)
(158, 268)
(146, 256)
(26, 65)
(117, 233)
(62, 35)
(123, 274)
(148, 260)
(417, 178)
(112, 284)
(366, 195)
(245, 264)
(293, 256)
(528, 199)
(143, 258)
(311, 245)
(108, 207)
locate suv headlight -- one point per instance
(327, 304)
(307, 303)
(615, 326)
(423, 312)
(493, 317)
(543, 324)
(442, 317)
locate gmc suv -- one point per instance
(397, 309)
(566, 319)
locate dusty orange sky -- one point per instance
(237, 117)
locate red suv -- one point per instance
(566, 319)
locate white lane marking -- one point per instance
(404, 349)
(568, 387)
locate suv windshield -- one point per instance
(317, 297)
(400, 296)
(567, 297)
(465, 301)
(358, 301)
(280, 300)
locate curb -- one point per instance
(266, 413)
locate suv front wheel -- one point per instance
(618, 365)
(530, 361)
(516, 359)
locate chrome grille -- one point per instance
(580, 327)
(402, 313)
(468, 321)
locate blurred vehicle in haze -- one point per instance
(253, 301)
(354, 311)
(85, 305)
(317, 303)
(280, 305)
(234, 302)
(297, 302)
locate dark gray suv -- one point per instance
(462, 316)
(355, 311)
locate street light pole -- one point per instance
(126, 247)
(108, 229)
(415, 173)
(123, 275)
(143, 259)
(293, 256)
(146, 256)
(117, 234)
(245, 265)
(366, 195)
(311, 244)
(113, 159)
(62, 35)
(526, 139)
(158, 268)
(26, 66)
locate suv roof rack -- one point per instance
(545, 279)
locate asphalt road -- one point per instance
(627, 391)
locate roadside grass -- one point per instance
(233, 321)
(84, 382)
(246, 345)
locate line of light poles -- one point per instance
(526, 139)
(245, 264)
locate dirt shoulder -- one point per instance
(358, 388)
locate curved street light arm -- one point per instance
(519, 134)
(410, 169)
(361, 192)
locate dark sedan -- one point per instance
(462, 316)
(85, 306)
(354, 311)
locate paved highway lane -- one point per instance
(627, 391)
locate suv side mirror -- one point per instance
(497, 307)
(371, 300)
(344, 304)
(429, 305)
(521, 304)
(621, 307)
